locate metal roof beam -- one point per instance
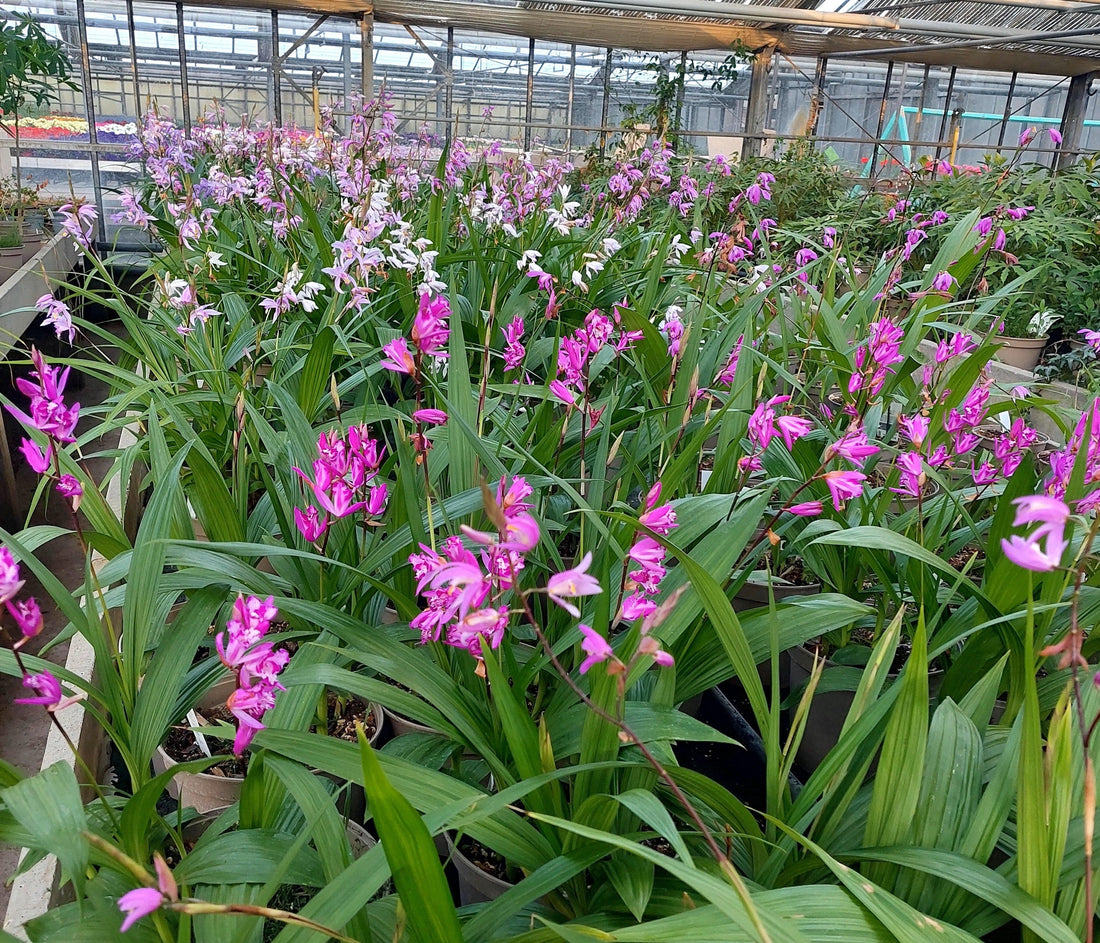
(763, 13)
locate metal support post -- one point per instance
(1008, 111)
(569, 99)
(89, 107)
(366, 50)
(881, 117)
(345, 62)
(449, 90)
(185, 94)
(276, 70)
(606, 104)
(818, 99)
(757, 111)
(530, 104)
(133, 58)
(946, 110)
(1073, 119)
(681, 81)
(923, 101)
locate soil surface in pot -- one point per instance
(484, 858)
(342, 718)
(182, 746)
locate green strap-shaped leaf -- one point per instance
(981, 881)
(412, 856)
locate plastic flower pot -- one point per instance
(204, 792)
(11, 259)
(1021, 352)
(32, 245)
(475, 886)
(829, 709)
(209, 792)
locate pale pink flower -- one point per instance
(1052, 516)
(595, 646)
(572, 583)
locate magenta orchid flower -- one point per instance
(400, 357)
(1027, 552)
(844, 485)
(806, 509)
(38, 460)
(595, 646)
(143, 901)
(27, 616)
(139, 903)
(47, 692)
(572, 583)
(311, 525)
(430, 417)
(10, 580)
(430, 331)
(853, 446)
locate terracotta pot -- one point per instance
(474, 885)
(1022, 352)
(10, 262)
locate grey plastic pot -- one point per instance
(829, 709)
(11, 260)
(474, 885)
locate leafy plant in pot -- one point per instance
(1023, 340)
(245, 697)
(11, 250)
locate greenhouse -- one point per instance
(523, 471)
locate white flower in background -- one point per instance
(528, 260)
(592, 265)
(610, 246)
(676, 248)
(215, 260)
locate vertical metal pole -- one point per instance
(185, 95)
(1073, 120)
(345, 57)
(1008, 111)
(569, 98)
(681, 79)
(606, 103)
(881, 117)
(946, 111)
(756, 114)
(819, 96)
(450, 86)
(530, 95)
(276, 70)
(921, 104)
(366, 50)
(133, 57)
(89, 107)
(315, 75)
